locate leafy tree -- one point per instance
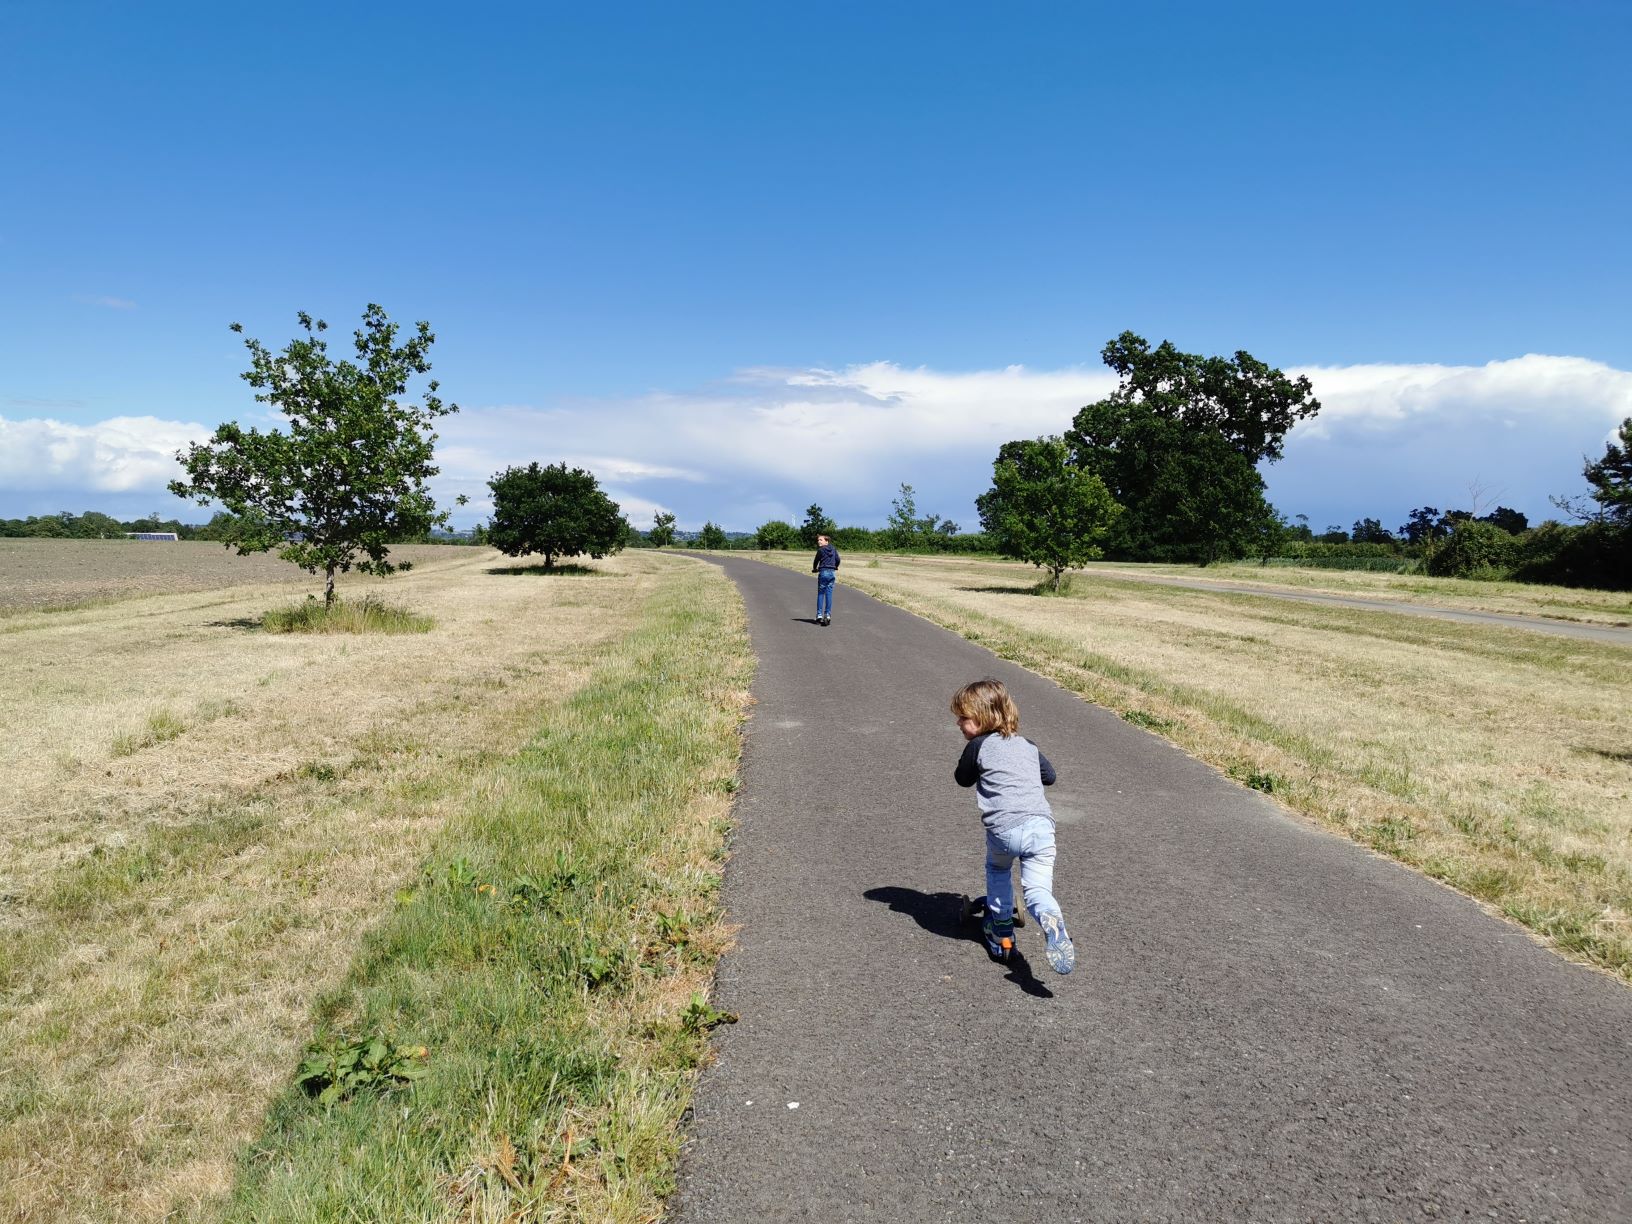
(662, 533)
(816, 523)
(1511, 521)
(1207, 503)
(350, 474)
(1473, 549)
(1178, 444)
(1611, 478)
(1424, 525)
(1244, 401)
(711, 536)
(903, 524)
(555, 510)
(776, 534)
(1043, 508)
(1370, 531)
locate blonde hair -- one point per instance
(989, 704)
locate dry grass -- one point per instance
(1497, 760)
(1512, 598)
(44, 575)
(199, 820)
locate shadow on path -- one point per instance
(941, 914)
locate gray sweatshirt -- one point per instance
(1008, 775)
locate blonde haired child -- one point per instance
(1008, 774)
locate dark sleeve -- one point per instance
(1045, 768)
(836, 559)
(816, 561)
(968, 771)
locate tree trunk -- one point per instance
(328, 589)
(1057, 574)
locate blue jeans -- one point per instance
(1033, 844)
(824, 593)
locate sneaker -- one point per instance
(998, 938)
(1062, 956)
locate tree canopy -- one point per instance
(1178, 443)
(662, 533)
(711, 536)
(1044, 509)
(776, 534)
(555, 510)
(816, 523)
(349, 475)
(1611, 478)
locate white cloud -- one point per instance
(764, 443)
(1567, 391)
(119, 455)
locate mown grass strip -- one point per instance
(552, 962)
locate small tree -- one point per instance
(1370, 531)
(662, 533)
(1474, 550)
(554, 510)
(776, 534)
(711, 536)
(816, 523)
(1044, 509)
(1611, 478)
(1514, 522)
(350, 474)
(903, 524)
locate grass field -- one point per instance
(1497, 760)
(1512, 598)
(45, 575)
(221, 845)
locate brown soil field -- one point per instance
(46, 575)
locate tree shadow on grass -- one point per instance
(941, 914)
(999, 590)
(243, 624)
(554, 571)
(1610, 754)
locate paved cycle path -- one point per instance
(1266, 1023)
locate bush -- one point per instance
(1474, 550)
(367, 615)
(1595, 555)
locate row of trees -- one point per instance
(1164, 468)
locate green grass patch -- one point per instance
(366, 615)
(551, 961)
(160, 728)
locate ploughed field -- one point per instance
(41, 575)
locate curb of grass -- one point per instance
(545, 980)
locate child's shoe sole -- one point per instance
(1061, 953)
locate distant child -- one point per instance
(825, 565)
(1008, 774)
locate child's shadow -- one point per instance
(942, 914)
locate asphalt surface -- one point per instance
(1618, 635)
(1266, 1023)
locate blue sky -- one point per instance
(739, 258)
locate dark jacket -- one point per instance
(827, 557)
